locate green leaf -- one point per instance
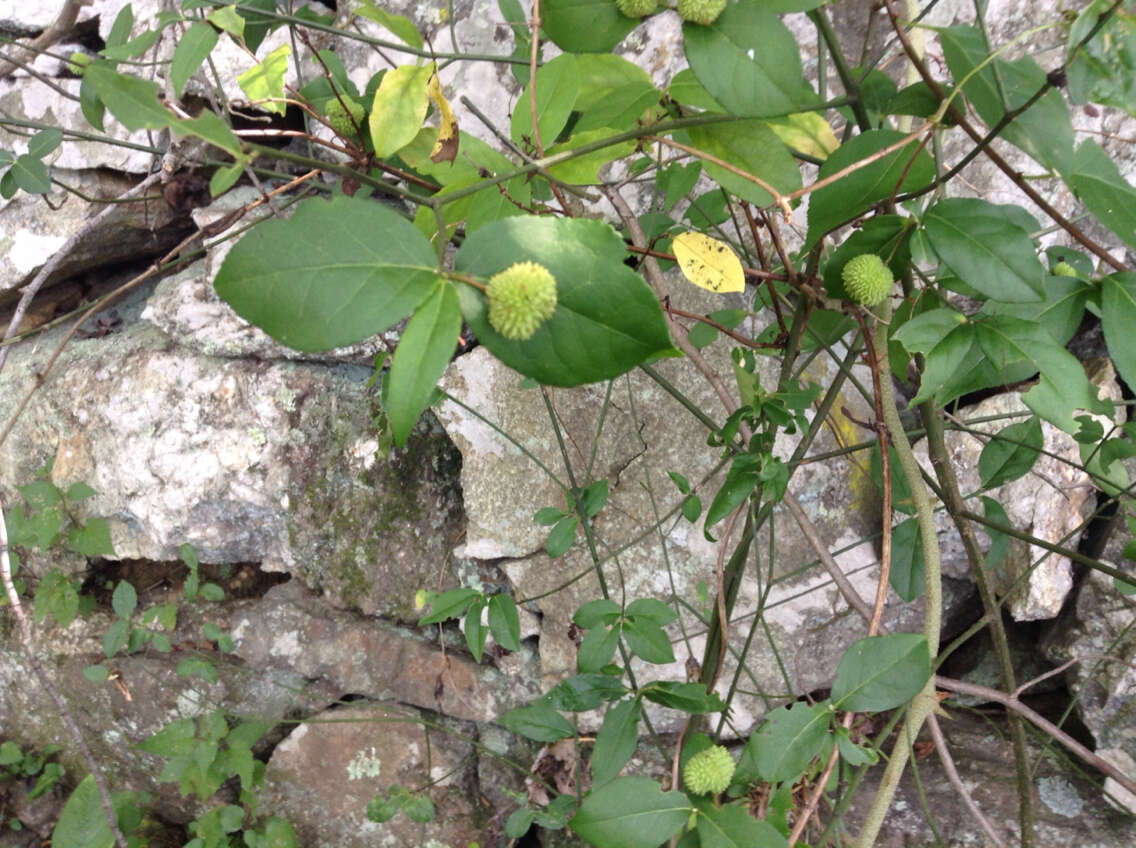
(402, 27)
(607, 320)
(562, 536)
(981, 244)
(116, 637)
(419, 809)
(615, 743)
(906, 572)
(906, 169)
(1062, 386)
(739, 484)
(583, 692)
(263, 83)
(79, 491)
(133, 101)
(95, 673)
(398, 108)
(613, 92)
(788, 741)
(192, 49)
(648, 641)
(748, 61)
(44, 142)
(548, 515)
(584, 169)
(124, 600)
(1011, 453)
(56, 596)
(423, 353)
(30, 174)
(881, 672)
(557, 84)
(688, 697)
(594, 497)
(541, 723)
(227, 19)
(191, 667)
(367, 271)
(1044, 131)
(732, 826)
(450, 604)
(212, 592)
(649, 609)
(475, 631)
(92, 539)
(1101, 71)
(40, 494)
(519, 822)
(504, 623)
(597, 648)
(596, 613)
(82, 822)
(630, 812)
(853, 754)
(1118, 319)
(754, 148)
(584, 26)
(1098, 184)
(172, 740)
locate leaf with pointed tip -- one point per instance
(333, 274)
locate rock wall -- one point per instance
(193, 427)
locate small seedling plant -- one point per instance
(422, 224)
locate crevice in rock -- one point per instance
(158, 581)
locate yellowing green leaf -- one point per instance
(264, 82)
(709, 263)
(398, 108)
(806, 132)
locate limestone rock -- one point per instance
(323, 775)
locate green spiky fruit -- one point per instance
(521, 298)
(1064, 269)
(867, 279)
(709, 771)
(703, 12)
(337, 119)
(636, 8)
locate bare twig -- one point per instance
(809, 531)
(28, 293)
(1012, 703)
(62, 24)
(956, 781)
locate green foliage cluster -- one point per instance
(744, 118)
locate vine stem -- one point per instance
(923, 704)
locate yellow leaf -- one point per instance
(446, 145)
(806, 132)
(709, 263)
(398, 108)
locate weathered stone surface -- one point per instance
(248, 461)
(1097, 630)
(1065, 808)
(1051, 502)
(31, 231)
(291, 630)
(113, 723)
(643, 437)
(328, 769)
